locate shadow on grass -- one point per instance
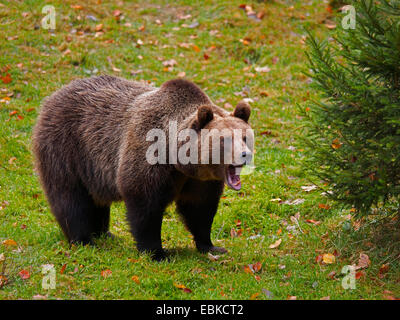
(379, 238)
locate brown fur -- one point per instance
(89, 145)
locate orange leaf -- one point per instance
(328, 258)
(182, 287)
(9, 242)
(336, 144)
(247, 269)
(136, 279)
(106, 273)
(257, 266)
(63, 268)
(24, 274)
(254, 296)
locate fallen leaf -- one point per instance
(275, 244)
(247, 269)
(328, 258)
(196, 48)
(256, 266)
(294, 202)
(63, 268)
(9, 242)
(268, 293)
(254, 296)
(363, 261)
(213, 257)
(99, 27)
(3, 281)
(117, 13)
(314, 222)
(106, 273)
(6, 79)
(382, 270)
(24, 274)
(359, 274)
(135, 279)
(324, 206)
(182, 287)
(309, 188)
(336, 144)
(330, 25)
(262, 69)
(169, 63)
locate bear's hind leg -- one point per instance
(198, 204)
(75, 211)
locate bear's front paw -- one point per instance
(156, 254)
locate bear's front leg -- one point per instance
(145, 219)
(198, 204)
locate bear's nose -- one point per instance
(246, 157)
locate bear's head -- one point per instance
(224, 143)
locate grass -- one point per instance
(220, 54)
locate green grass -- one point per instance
(52, 59)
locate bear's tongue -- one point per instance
(233, 177)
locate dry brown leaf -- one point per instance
(363, 261)
(275, 244)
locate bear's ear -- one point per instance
(242, 111)
(204, 115)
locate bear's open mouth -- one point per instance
(233, 177)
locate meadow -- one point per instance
(285, 239)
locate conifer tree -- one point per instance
(352, 132)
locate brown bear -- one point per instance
(91, 142)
